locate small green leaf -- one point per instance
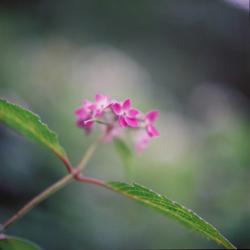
(125, 154)
(16, 243)
(171, 209)
(29, 124)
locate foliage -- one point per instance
(29, 124)
(171, 209)
(16, 243)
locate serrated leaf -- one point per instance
(16, 243)
(172, 209)
(125, 154)
(30, 125)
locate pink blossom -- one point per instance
(102, 102)
(142, 141)
(84, 115)
(126, 114)
(150, 119)
(89, 111)
(114, 116)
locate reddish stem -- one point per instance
(86, 179)
(65, 161)
(73, 174)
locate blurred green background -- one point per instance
(188, 58)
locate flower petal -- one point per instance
(126, 104)
(122, 122)
(132, 122)
(82, 114)
(89, 124)
(79, 111)
(79, 123)
(86, 103)
(116, 107)
(152, 131)
(133, 112)
(142, 142)
(152, 115)
(99, 97)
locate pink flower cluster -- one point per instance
(116, 116)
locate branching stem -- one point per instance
(75, 173)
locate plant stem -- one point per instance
(58, 185)
(39, 198)
(90, 151)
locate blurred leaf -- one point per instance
(15, 243)
(125, 154)
(30, 125)
(171, 209)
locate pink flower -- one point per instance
(150, 119)
(114, 116)
(102, 102)
(142, 141)
(84, 115)
(126, 115)
(89, 111)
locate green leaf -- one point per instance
(30, 125)
(171, 209)
(125, 154)
(16, 243)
